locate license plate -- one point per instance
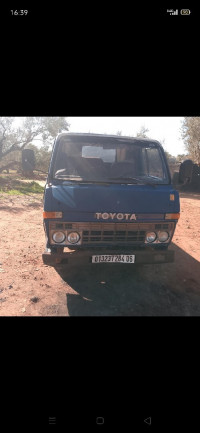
(113, 259)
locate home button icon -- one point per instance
(100, 420)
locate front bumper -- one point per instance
(84, 257)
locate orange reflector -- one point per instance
(172, 216)
(52, 214)
(172, 197)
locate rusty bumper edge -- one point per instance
(85, 257)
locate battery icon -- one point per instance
(185, 12)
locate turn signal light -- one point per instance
(172, 216)
(52, 214)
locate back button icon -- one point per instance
(148, 420)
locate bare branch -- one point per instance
(12, 138)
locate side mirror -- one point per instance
(28, 160)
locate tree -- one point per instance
(14, 138)
(190, 131)
(42, 156)
(182, 157)
(142, 132)
(171, 159)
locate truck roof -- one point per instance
(117, 137)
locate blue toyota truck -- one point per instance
(108, 199)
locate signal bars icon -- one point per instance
(172, 12)
(52, 420)
(182, 12)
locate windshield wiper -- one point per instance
(80, 180)
(134, 179)
(64, 177)
(125, 178)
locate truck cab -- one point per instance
(108, 199)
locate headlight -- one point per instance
(150, 237)
(163, 236)
(73, 237)
(58, 237)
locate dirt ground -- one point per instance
(30, 288)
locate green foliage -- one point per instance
(15, 187)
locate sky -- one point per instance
(165, 129)
(160, 128)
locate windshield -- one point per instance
(94, 159)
